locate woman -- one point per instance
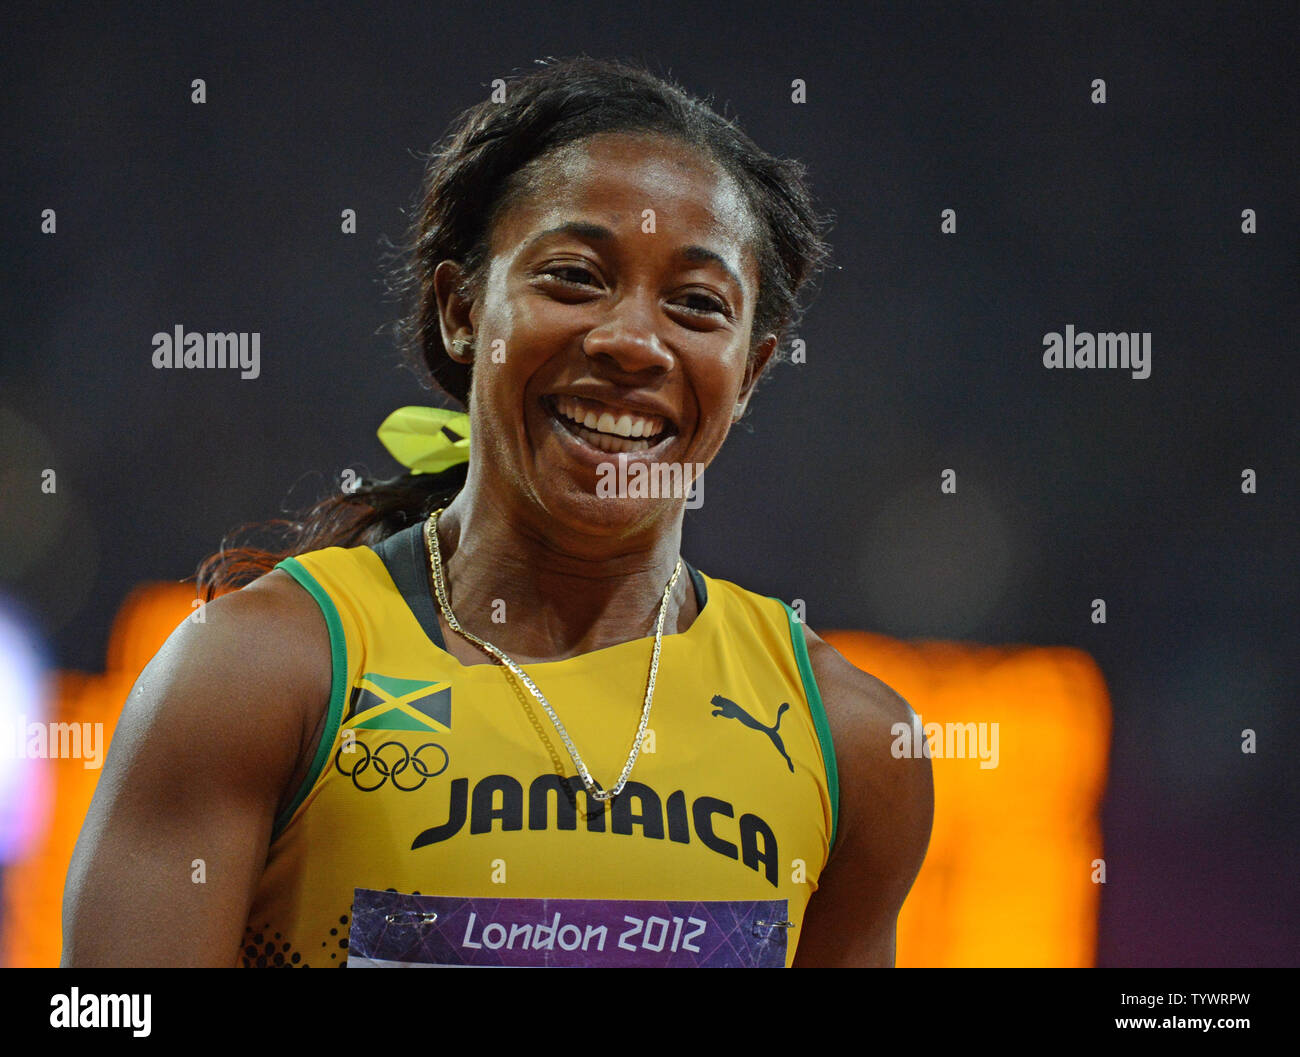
(486, 715)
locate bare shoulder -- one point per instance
(866, 717)
(209, 743)
(886, 813)
(252, 675)
(270, 635)
(276, 629)
(276, 603)
(858, 705)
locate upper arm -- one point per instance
(208, 741)
(886, 811)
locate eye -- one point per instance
(568, 273)
(697, 302)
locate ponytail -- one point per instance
(368, 515)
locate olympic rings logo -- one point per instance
(392, 768)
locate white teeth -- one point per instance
(610, 444)
(626, 425)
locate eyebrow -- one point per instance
(597, 233)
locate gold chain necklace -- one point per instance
(435, 561)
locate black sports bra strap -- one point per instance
(405, 557)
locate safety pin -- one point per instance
(407, 916)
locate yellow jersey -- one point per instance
(443, 822)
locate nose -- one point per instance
(628, 336)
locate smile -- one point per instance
(607, 430)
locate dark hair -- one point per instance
(481, 168)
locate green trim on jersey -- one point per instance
(714, 823)
(338, 685)
(820, 723)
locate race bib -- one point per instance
(393, 930)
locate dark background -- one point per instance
(924, 350)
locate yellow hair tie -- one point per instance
(417, 438)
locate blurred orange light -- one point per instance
(1008, 877)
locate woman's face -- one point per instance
(620, 292)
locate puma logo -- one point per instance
(731, 710)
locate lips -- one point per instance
(593, 446)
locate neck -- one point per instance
(541, 590)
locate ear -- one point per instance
(757, 364)
(455, 311)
